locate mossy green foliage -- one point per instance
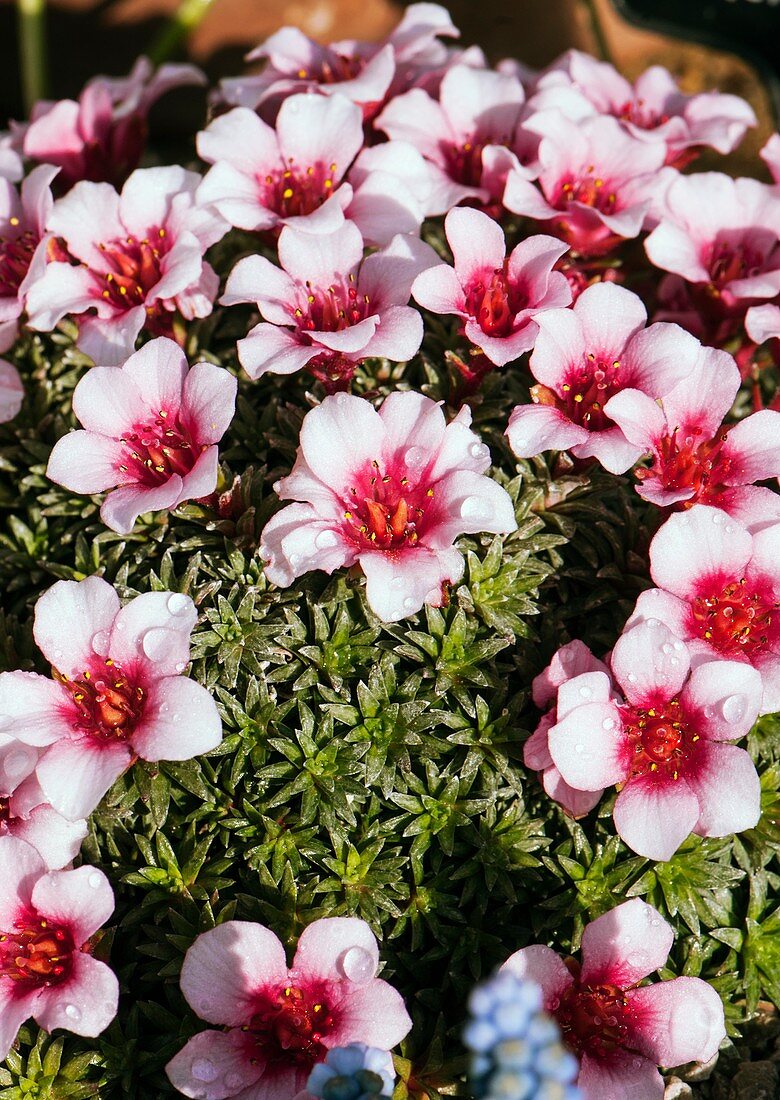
(366, 769)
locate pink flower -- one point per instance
(390, 490)
(719, 590)
(762, 323)
(393, 192)
(103, 136)
(264, 178)
(595, 181)
(152, 428)
(719, 235)
(570, 661)
(663, 741)
(770, 154)
(696, 459)
(467, 137)
(22, 248)
(117, 693)
(11, 391)
(46, 969)
(619, 1030)
(654, 109)
(326, 309)
(583, 356)
(280, 1022)
(497, 297)
(140, 261)
(25, 813)
(364, 72)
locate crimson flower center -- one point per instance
(585, 391)
(108, 704)
(688, 464)
(291, 1027)
(387, 511)
(335, 69)
(494, 302)
(134, 268)
(594, 1019)
(464, 160)
(589, 189)
(733, 258)
(660, 738)
(15, 257)
(35, 953)
(338, 307)
(294, 192)
(159, 448)
(739, 618)
(639, 114)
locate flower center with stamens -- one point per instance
(295, 192)
(156, 450)
(387, 511)
(15, 257)
(494, 302)
(108, 704)
(660, 739)
(291, 1027)
(585, 391)
(133, 268)
(740, 618)
(734, 256)
(338, 307)
(464, 161)
(688, 464)
(589, 190)
(639, 114)
(35, 952)
(594, 1019)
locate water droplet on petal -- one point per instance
(180, 667)
(674, 661)
(733, 707)
(294, 559)
(476, 508)
(415, 456)
(16, 762)
(631, 677)
(72, 1012)
(666, 648)
(100, 643)
(717, 519)
(586, 693)
(653, 623)
(358, 965)
(95, 880)
(729, 528)
(325, 540)
(204, 1070)
(608, 724)
(579, 748)
(177, 603)
(678, 644)
(396, 582)
(409, 603)
(478, 450)
(156, 643)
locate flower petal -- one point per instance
(180, 720)
(85, 1004)
(650, 663)
(325, 945)
(678, 1021)
(76, 774)
(544, 966)
(373, 1014)
(21, 866)
(153, 631)
(625, 945)
(726, 784)
(67, 618)
(653, 816)
(588, 747)
(215, 1065)
(620, 1076)
(703, 542)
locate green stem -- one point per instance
(602, 46)
(31, 16)
(187, 17)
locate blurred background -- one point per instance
(85, 37)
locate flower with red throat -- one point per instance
(653, 108)
(151, 428)
(23, 216)
(25, 812)
(264, 177)
(140, 262)
(622, 1031)
(496, 296)
(281, 1022)
(572, 660)
(695, 459)
(102, 136)
(46, 969)
(583, 356)
(663, 741)
(117, 691)
(594, 181)
(327, 308)
(719, 590)
(389, 489)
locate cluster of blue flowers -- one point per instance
(516, 1047)
(354, 1072)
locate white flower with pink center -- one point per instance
(140, 262)
(622, 1031)
(468, 137)
(496, 296)
(719, 590)
(722, 237)
(327, 308)
(117, 691)
(390, 490)
(23, 216)
(364, 72)
(570, 661)
(654, 109)
(585, 355)
(103, 135)
(46, 969)
(25, 813)
(151, 429)
(281, 1022)
(663, 741)
(595, 181)
(695, 459)
(264, 177)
